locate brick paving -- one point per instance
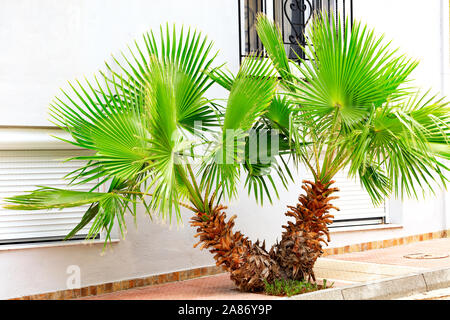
(396, 255)
(215, 287)
(344, 270)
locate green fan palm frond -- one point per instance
(222, 77)
(272, 140)
(104, 209)
(251, 93)
(280, 112)
(374, 180)
(355, 107)
(432, 116)
(272, 40)
(398, 138)
(161, 111)
(352, 71)
(265, 148)
(190, 53)
(440, 149)
(275, 122)
(53, 198)
(104, 121)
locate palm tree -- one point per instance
(141, 123)
(346, 108)
(354, 109)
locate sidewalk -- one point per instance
(374, 274)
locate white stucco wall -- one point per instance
(50, 42)
(414, 27)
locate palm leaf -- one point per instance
(190, 54)
(353, 71)
(108, 124)
(376, 183)
(53, 198)
(221, 77)
(399, 135)
(250, 95)
(272, 40)
(134, 121)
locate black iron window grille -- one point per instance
(291, 16)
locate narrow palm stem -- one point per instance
(194, 182)
(331, 147)
(308, 164)
(194, 195)
(339, 162)
(316, 156)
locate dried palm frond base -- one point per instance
(301, 242)
(249, 264)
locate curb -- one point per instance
(385, 289)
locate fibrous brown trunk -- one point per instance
(301, 242)
(249, 264)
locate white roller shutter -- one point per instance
(355, 205)
(22, 171)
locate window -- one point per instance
(251, 9)
(291, 16)
(356, 207)
(24, 170)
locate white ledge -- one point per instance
(38, 245)
(375, 227)
(34, 139)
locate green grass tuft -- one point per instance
(281, 287)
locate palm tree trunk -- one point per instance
(301, 242)
(249, 264)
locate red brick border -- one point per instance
(212, 270)
(124, 284)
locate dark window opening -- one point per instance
(46, 239)
(291, 16)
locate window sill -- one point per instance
(34, 139)
(388, 226)
(39, 245)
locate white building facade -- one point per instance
(45, 43)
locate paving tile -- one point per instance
(329, 294)
(396, 255)
(348, 276)
(354, 272)
(363, 267)
(217, 287)
(357, 275)
(386, 289)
